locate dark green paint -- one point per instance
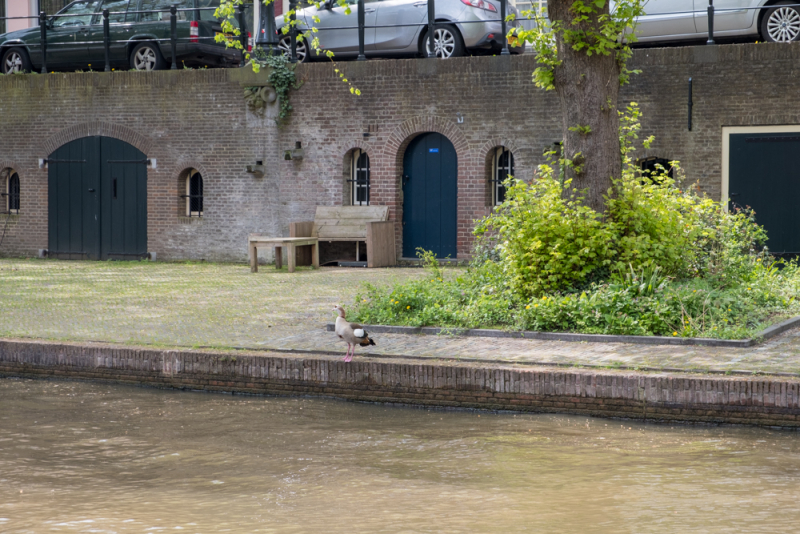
(86, 219)
(82, 46)
(430, 190)
(765, 176)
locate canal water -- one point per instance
(87, 457)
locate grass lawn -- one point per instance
(174, 304)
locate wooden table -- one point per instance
(256, 241)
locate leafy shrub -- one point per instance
(547, 240)
(662, 260)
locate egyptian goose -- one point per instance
(353, 334)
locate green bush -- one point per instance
(662, 260)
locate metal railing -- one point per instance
(268, 35)
(361, 26)
(173, 40)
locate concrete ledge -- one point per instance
(765, 334)
(761, 401)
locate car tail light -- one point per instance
(249, 42)
(194, 32)
(480, 4)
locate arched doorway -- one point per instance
(430, 190)
(97, 200)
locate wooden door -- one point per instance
(430, 190)
(97, 200)
(764, 176)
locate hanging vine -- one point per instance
(281, 77)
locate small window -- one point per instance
(77, 14)
(655, 166)
(359, 178)
(194, 194)
(11, 191)
(117, 12)
(502, 168)
(160, 10)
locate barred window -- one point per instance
(194, 194)
(10, 180)
(502, 168)
(359, 178)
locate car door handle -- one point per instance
(91, 190)
(420, 4)
(369, 11)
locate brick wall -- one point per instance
(199, 119)
(185, 119)
(763, 401)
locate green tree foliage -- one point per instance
(548, 240)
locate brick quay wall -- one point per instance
(761, 401)
(199, 120)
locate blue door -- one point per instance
(430, 188)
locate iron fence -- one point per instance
(268, 35)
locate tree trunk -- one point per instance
(588, 88)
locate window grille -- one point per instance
(502, 168)
(194, 194)
(359, 178)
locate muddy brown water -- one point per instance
(88, 457)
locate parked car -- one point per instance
(683, 20)
(139, 41)
(461, 26)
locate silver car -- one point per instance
(678, 20)
(399, 28)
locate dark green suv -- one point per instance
(139, 32)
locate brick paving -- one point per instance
(224, 306)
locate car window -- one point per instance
(77, 14)
(162, 8)
(208, 14)
(117, 12)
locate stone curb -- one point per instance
(765, 334)
(758, 401)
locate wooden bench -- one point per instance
(256, 241)
(370, 224)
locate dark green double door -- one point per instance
(97, 200)
(430, 190)
(764, 175)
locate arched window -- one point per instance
(194, 194)
(502, 167)
(11, 191)
(359, 178)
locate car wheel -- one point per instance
(781, 24)
(147, 56)
(446, 40)
(15, 60)
(301, 50)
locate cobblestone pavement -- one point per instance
(224, 305)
